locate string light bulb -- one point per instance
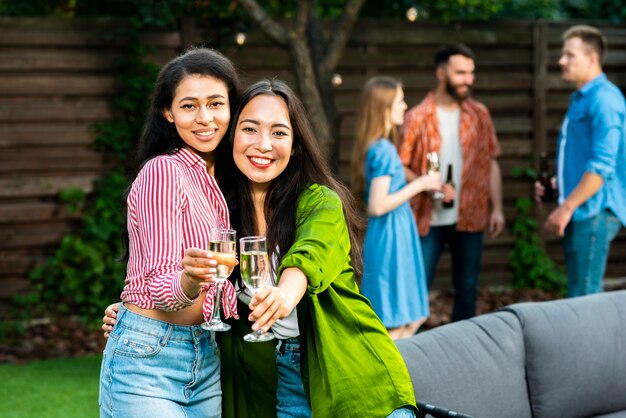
(412, 14)
(337, 80)
(240, 38)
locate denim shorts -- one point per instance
(292, 401)
(152, 368)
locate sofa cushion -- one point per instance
(575, 354)
(474, 366)
(618, 414)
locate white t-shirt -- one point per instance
(450, 153)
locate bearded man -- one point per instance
(459, 129)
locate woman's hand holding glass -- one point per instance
(199, 267)
(255, 272)
(433, 169)
(223, 248)
(269, 305)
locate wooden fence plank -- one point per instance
(44, 60)
(57, 85)
(34, 211)
(43, 186)
(32, 235)
(42, 134)
(52, 110)
(56, 159)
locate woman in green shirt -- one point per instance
(284, 189)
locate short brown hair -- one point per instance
(590, 36)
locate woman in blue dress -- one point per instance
(393, 279)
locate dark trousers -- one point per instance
(466, 250)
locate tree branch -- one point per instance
(267, 24)
(339, 38)
(302, 16)
(317, 43)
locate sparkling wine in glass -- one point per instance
(255, 271)
(223, 245)
(432, 159)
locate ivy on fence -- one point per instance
(531, 266)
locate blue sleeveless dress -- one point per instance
(393, 280)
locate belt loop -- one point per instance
(167, 336)
(120, 312)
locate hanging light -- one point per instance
(240, 38)
(412, 14)
(337, 80)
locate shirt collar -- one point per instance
(591, 84)
(189, 158)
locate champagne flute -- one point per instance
(223, 245)
(255, 272)
(432, 159)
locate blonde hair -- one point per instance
(376, 100)
(590, 36)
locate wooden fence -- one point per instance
(57, 77)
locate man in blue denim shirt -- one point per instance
(591, 163)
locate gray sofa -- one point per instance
(557, 359)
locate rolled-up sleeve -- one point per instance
(322, 245)
(607, 121)
(160, 210)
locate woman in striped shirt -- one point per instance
(158, 361)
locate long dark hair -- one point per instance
(159, 135)
(305, 166)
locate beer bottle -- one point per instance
(449, 181)
(545, 178)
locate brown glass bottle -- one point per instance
(449, 181)
(545, 178)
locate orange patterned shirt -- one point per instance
(420, 134)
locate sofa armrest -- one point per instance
(425, 410)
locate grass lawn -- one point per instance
(50, 388)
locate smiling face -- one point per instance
(263, 140)
(200, 111)
(458, 76)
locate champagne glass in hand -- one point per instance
(432, 159)
(255, 272)
(223, 246)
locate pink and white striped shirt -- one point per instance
(172, 205)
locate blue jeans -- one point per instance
(586, 248)
(466, 250)
(292, 401)
(156, 369)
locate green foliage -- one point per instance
(531, 266)
(32, 8)
(613, 10)
(85, 273)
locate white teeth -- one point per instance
(206, 133)
(261, 161)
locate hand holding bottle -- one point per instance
(449, 190)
